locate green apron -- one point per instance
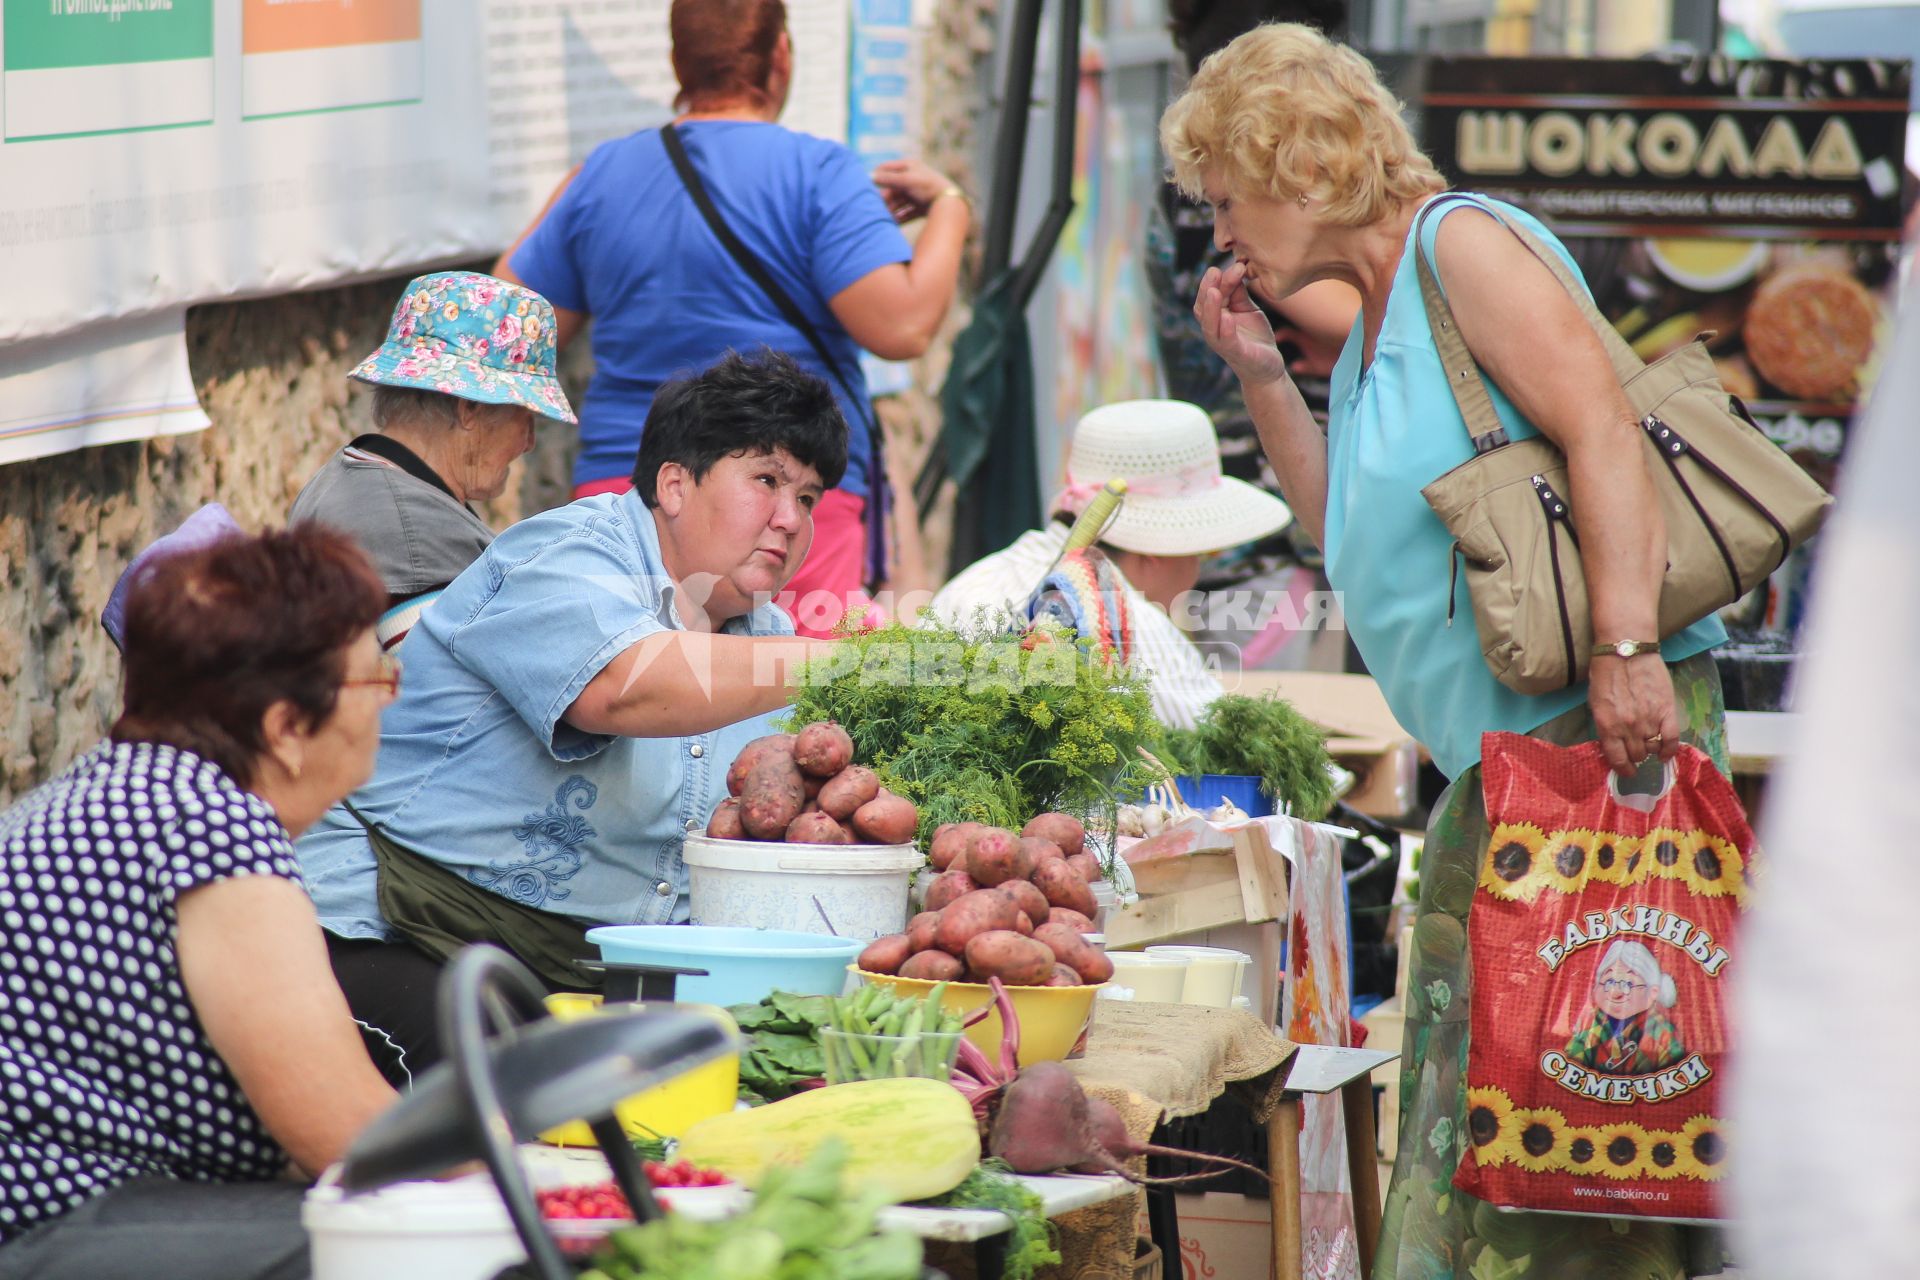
(441, 912)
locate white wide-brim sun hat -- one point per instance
(1178, 503)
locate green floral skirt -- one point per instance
(1430, 1230)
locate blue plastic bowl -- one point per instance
(1207, 790)
(742, 965)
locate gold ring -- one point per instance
(1657, 738)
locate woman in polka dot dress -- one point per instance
(172, 1041)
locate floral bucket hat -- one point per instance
(475, 337)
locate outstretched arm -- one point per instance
(675, 683)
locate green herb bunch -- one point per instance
(1265, 737)
(973, 726)
(803, 1224)
(992, 1186)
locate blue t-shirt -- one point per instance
(626, 243)
(1393, 429)
(477, 770)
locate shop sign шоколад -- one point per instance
(1756, 200)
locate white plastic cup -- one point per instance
(1104, 900)
(1214, 974)
(1153, 977)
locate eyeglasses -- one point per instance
(388, 679)
(1620, 986)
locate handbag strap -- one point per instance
(758, 273)
(1463, 373)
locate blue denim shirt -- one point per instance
(478, 771)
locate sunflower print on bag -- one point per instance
(1516, 865)
(1490, 1125)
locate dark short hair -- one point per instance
(1201, 27)
(216, 636)
(723, 51)
(744, 404)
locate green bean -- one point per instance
(862, 1064)
(910, 1042)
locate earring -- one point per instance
(1303, 199)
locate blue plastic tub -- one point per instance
(742, 965)
(1207, 790)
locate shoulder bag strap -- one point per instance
(758, 273)
(1463, 374)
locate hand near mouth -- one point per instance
(1235, 328)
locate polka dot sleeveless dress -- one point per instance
(105, 1073)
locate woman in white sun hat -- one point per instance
(1179, 508)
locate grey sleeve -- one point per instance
(418, 538)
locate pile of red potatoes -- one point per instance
(804, 788)
(1003, 906)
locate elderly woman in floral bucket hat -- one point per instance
(467, 366)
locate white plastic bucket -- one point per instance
(1157, 978)
(421, 1230)
(1214, 974)
(844, 890)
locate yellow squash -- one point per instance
(906, 1138)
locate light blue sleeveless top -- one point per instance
(1393, 429)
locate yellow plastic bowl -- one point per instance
(666, 1110)
(1051, 1018)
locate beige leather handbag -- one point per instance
(1735, 503)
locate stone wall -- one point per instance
(271, 374)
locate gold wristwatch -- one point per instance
(1625, 648)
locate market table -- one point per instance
(984, 1229)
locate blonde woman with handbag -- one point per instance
(1313, 176)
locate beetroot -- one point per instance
(1041, 1119)
(1043, 1124)
(1046, 1122)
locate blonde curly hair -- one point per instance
(1286, 112)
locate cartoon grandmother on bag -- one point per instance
(1626, 1035)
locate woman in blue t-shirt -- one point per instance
(1313, 176)
(623, 241)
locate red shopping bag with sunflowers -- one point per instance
(1604, 932)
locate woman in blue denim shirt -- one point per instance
(572, 701)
